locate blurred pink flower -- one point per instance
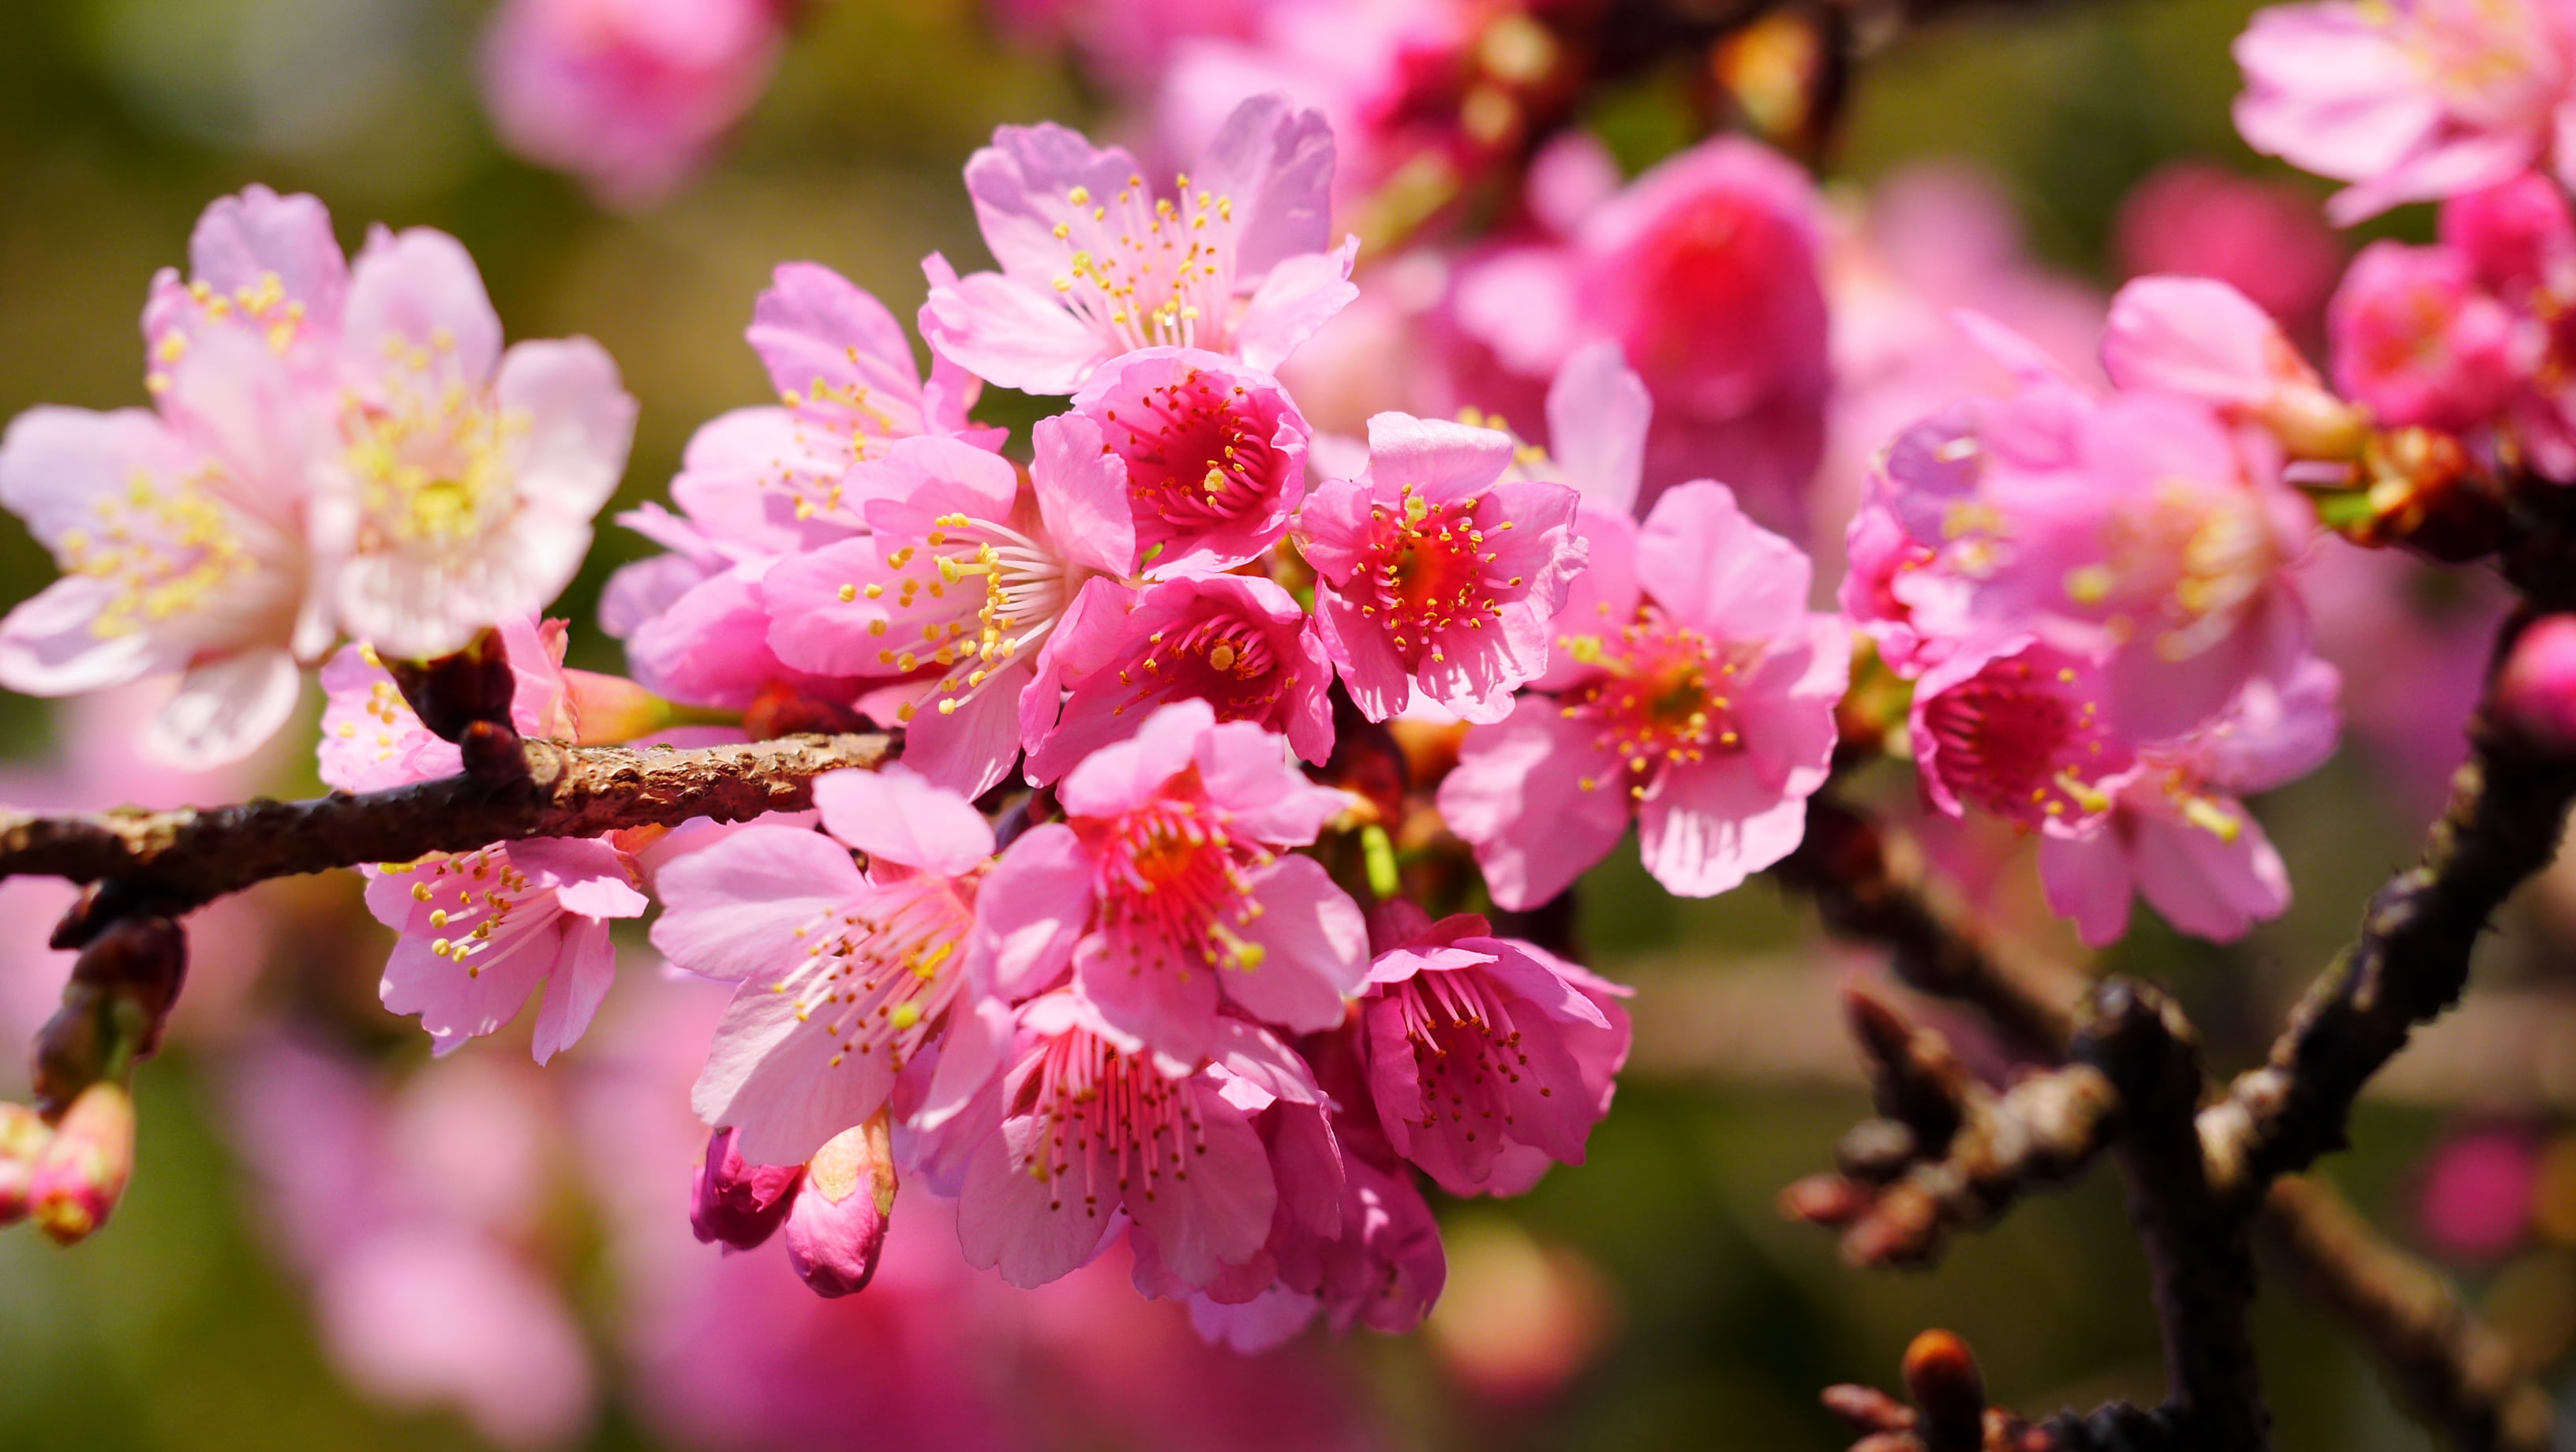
(632, 96)
(2537, 688)
(2475, 1199)
(2266, 239)
(2419, 341)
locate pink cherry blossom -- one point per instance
(2410, 101)
(2418, 340)
(1098, 1127)
(2178, 833)
(1171, 887)
(2020, 733)
(1695, 695)
(2521, 240)
(963, 573)
(844, 975)
(262, 264)
(1477, 1046)
(1436, 575)
(1238, 643)
(1095, 264)
(1215, 455)
(631, 96)
(2266, 239)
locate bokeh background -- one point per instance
(254, 1292)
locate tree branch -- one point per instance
(182, 859)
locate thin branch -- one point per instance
(187, 857)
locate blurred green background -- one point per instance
(119, 119)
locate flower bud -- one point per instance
(611, 709)
(737, 1203)
(2537, 690)
(837, 1229)
(23, 1137)
(82, 1171)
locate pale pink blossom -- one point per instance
(1172, 886)
(1096, 264)
(844, 976)
(963, 578)
(2199, 338)
(2266, 239)
(1215, 455)
(1436, 574)
(2178, 833)
(632, 96)
(1239, 643)
(1694, 695)
(2409, 101)
(2418, 340)
(1481, 1049)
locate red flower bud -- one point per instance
(738, 1203)
(83, 1170)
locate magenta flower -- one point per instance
(1239, 643)
(2410, 101)
(1097, 1125)
(1696, 696)
(2021, 733)
(962, 574)
(1094, 264)
(1435, 574)
(2417, 339)
(1215, 455)
(1481, 1049)
(2178, 834)
(629, 95)
(845, 975)
(1172, 886)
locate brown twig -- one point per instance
(184, 858)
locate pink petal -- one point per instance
(1032, 909)
(731, 909)
(585, 968)
(1033, 1230)
(225, 709)
(1298, 296)
(1315, 948)
(1275, 163)
(1703, 829)
(1213, 1208)
(1082, 494)
(1597, 412)
(1516, 797)
(420, 289)
(894, 813)
(1717, 571)
(1012, 334)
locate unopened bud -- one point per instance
(837, 1229)
(23, 1137)
(81, 1173)
(1949, 1392)
(610, 709)
(739, 1204)
(2536, 693)
(2312, 423)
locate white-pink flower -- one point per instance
(1095, 263)
(845, 974)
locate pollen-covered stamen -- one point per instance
(1428, 571)
(386, 707)
(1663, 694)
(2024, 740)
(429, 457)
(477, 901)
(1173, 888)
(1467, 1052)
(1117, 1128)
(173, 550)
(261, 306)
(979, 596)
(1148, 271)
(2182, 566)
(1220, 658)
(1197, 451)
(878, 980)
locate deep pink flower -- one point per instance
(1239, 643)
(2021, 733)
(2409, 101)
(1695, 695)
(1095, 1125)
(2178, 834)
(1435, 574)
(629, 95)
(2520, 235)
(2418, 340)
(1094, 264)
(1172, 886)
(845, 975)
(1215, 455)
(2263, 238)
(963, 573)
(736, 1203)
(1477, 1046)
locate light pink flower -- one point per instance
(260, 264)
(1094, 264)
(1098, 1126)
(965, 574)
(2418, 340)
(845, 975)
(1239, 643)
(629, 95)
(1215, 455)
(2178, 834)
(2019, 732)
(2198, 338)
(2266, 239)
(1436, 574)
(1695, 695)
(1171, 887)
(1477, 1047)
(2410, 101)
